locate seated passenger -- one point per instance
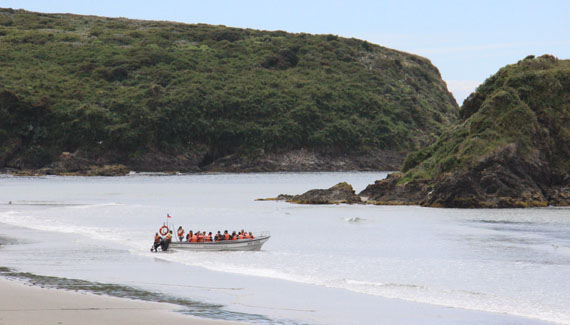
(194, 238)
(246, 236)
(251, 235)
(208, 237)
(234, 236)
(189, 236)
(226, 235)
(240, 236)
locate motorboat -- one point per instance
(224, 245)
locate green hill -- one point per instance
(510, 148)
(169, 96)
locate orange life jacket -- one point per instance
(200, 238)
(246, 236)
(180, 233)
(194, 239)
(226, 236)
(208, 238)
(240, 236)
(234, 237)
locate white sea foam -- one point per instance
(353, 219)
(95, 206)
(53, 225)
(406, 291)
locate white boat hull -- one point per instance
(224, 245)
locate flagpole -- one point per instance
(167, 223)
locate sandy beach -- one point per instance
(22, 304)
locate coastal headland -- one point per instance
(510, 147)
(85, 95)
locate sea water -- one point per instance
(506, 261)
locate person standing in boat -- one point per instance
(166, 241)
(180, 233)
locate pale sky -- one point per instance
(467, 40)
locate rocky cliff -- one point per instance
(510, 148)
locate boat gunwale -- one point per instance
(221, 242)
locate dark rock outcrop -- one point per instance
(76, 165)
(501, 180)
(307, 160)
(85, 163)
(340, 193)
(387, 191)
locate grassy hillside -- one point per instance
(116, 89)
(511, 146)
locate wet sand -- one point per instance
(22, 304)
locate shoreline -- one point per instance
(31, 304)
(35, 302)
(41, 173)
(299, 160)
(28, 304)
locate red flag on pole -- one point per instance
(168, 215)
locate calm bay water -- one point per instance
(510, 262)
